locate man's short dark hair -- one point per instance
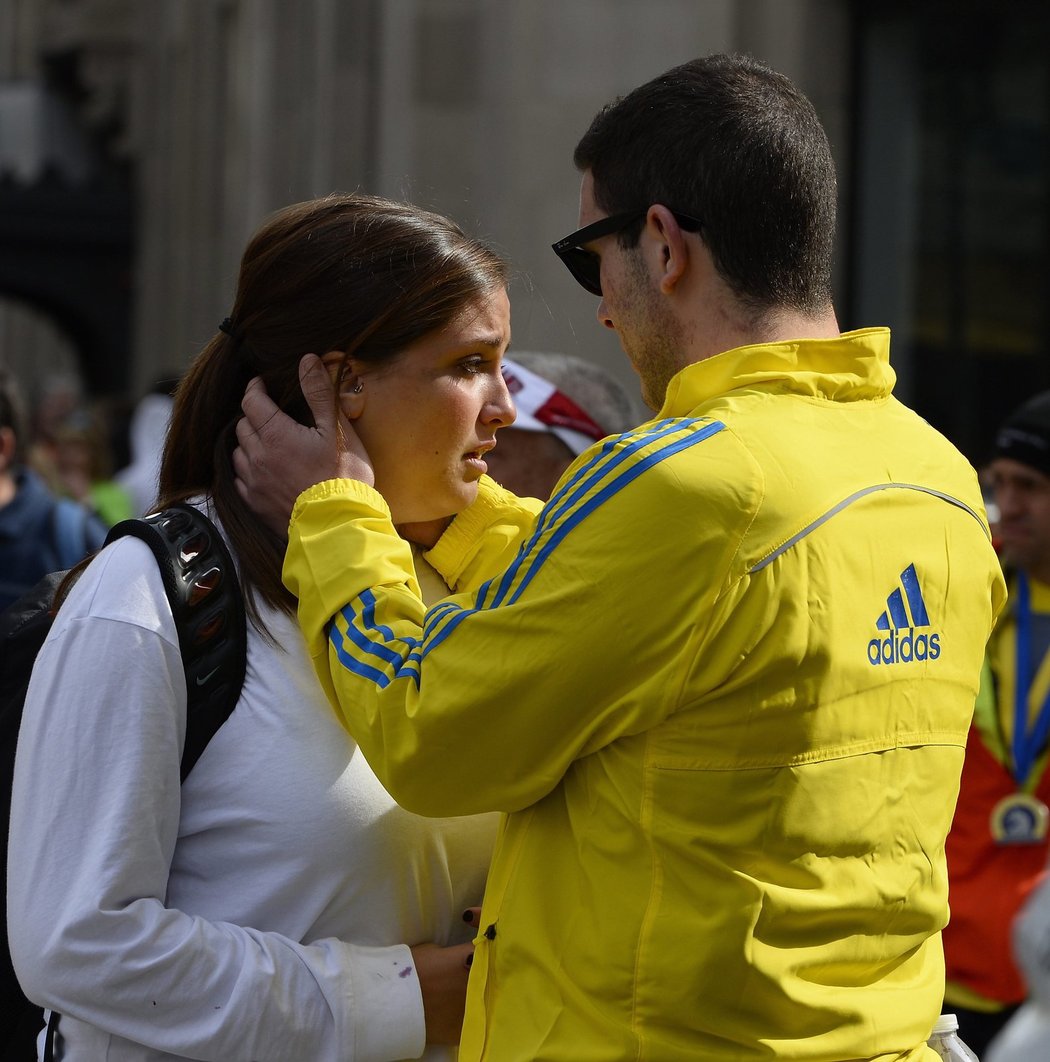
(737, 145)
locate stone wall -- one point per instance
(229, 109)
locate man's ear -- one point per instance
(673, 246)
(347, 381)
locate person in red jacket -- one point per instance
(998, 846)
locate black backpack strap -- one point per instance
(206, 601)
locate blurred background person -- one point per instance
(39, 532)
(564, 404)
(45, 409)
(998, 845)
(83, 465)
(146, 434)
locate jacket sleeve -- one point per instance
(94, 823)
(483, 702)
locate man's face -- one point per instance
(633, 307)
(1023, 497)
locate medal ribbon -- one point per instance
(1026, 744)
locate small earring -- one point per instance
(359, 387)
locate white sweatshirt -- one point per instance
(262, 910)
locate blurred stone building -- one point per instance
(141, 141)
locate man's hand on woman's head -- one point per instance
(277, 458)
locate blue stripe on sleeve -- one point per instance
(608, 491)
(362, 641)
(351, 663)
(437, 614)
(604, 462)
(358, 667)
(368, 617)
(349, 634)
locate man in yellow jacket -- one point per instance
(720, 684)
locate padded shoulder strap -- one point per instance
(206, 601)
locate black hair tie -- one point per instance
(232, 331)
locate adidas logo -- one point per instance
(905, 615)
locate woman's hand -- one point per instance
(442, 974)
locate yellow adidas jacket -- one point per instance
(722, 693)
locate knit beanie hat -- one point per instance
(1025, 434)
(542, 407)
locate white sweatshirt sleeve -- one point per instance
(95, 818)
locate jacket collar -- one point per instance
(854, 366)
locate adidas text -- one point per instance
(902, 647)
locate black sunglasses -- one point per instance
(585, 265)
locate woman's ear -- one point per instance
(347, 381)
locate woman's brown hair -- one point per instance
(354, 273)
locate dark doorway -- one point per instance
(951, 233)
(66, 251)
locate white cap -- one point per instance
(542, 407)
(945, 1023)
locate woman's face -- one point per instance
(428, 417)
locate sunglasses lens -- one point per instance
(585, 267)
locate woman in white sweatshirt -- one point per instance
(276, 904)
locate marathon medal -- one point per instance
(1022, 818)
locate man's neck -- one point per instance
(784, 325)
(730, 326)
